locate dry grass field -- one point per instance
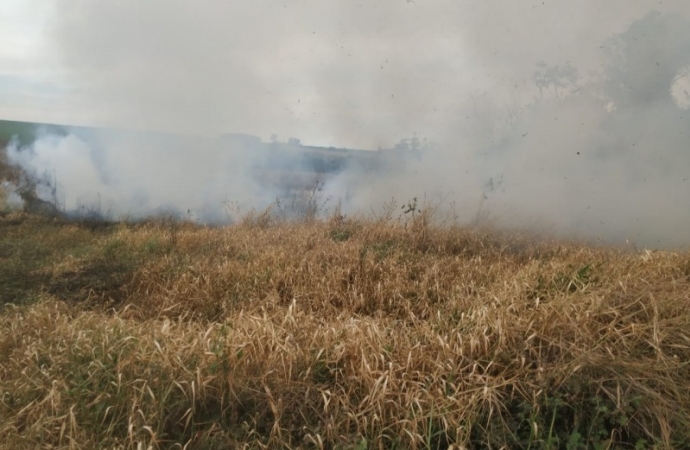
(346, 334)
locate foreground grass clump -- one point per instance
(340, 334)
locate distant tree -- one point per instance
(558, 77)
(645, 60)
(294, 141)
(274, 138)
(644, 64)
(413, 146)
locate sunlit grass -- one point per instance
(340, 333)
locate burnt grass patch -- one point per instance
(31, 247)
(100, 282)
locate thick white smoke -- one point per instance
(570, 117)
(136, 175)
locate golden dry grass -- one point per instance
(347, 334)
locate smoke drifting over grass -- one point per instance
(136, 175)
(566, 117)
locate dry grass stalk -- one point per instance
(337, 334)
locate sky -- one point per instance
(561, 116)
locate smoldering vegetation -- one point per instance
(599, 155)
(116, 174)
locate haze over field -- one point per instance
(570, 117)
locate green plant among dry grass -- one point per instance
(336, 334)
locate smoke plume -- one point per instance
(566, 117)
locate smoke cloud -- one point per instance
(566, 117)
(120, 174)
